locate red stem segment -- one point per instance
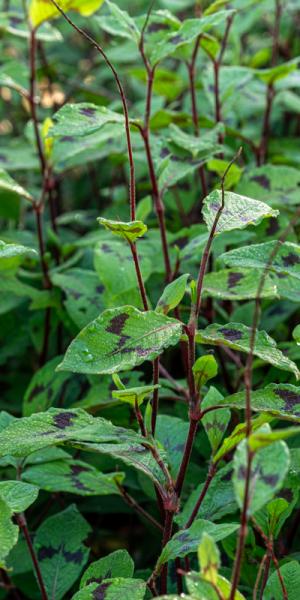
(21, 520)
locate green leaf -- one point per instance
(74, 477)
(209, 559)
(186, 34)
(8, 531)
(215, 422)
(8, 184)
(130, 450)
(239, 211)
(15, 24)
(218, 501)
(12, 255)
(172, 444)
(44, 388)
(18, 495)
(115, 268)
(82, 119)
(277, 185)
(279, 400)
(172, 295)
(204, 369)
(237, 284)
(84, 294)
(296, 334)
(291, 576)
(42, 10)
(134, 395)
(260, 256)
(60, 550)
(268, 469)
(274, 74)
(116, 564)
(261, 439)
(125, 21)
(187, 540)
(56, 426)
(128, 338)
(197, 146)
(238, 336)
(128, 231)
(113, 589)
(239, 432)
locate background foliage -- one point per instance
(150, 281)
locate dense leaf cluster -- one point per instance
(150, 285)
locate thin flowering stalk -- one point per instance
(191, 67)
(90, 39)
(145, 133)
(248, 412)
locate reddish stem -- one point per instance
(90, 39)
(21, 520)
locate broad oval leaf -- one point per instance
(11, 255)
(8, 184)
(238, 213)
(18, 494)
(280, 400)
(72, 476)
(120, 339)
(116, 564)
(187, 540)
(268, 469)
(238, 336)
(237, 284)
(113, 589)
(60, 550)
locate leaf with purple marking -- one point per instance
(129, 231)
(239, 211)
(132, 452)
(120, 339)
(186, 34)
(44, 388)
(113, 589)
(187, 540)
(82, 119)
(58, 426)
(84, 294)
(215, 422)
(115, 564)
(237, 284)
(60, 550)
(238, 337)
(172, 444)
(73, 477)
(281, 259)
(218, 501)
(278, 185)
(280, 400)
(268, 470)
